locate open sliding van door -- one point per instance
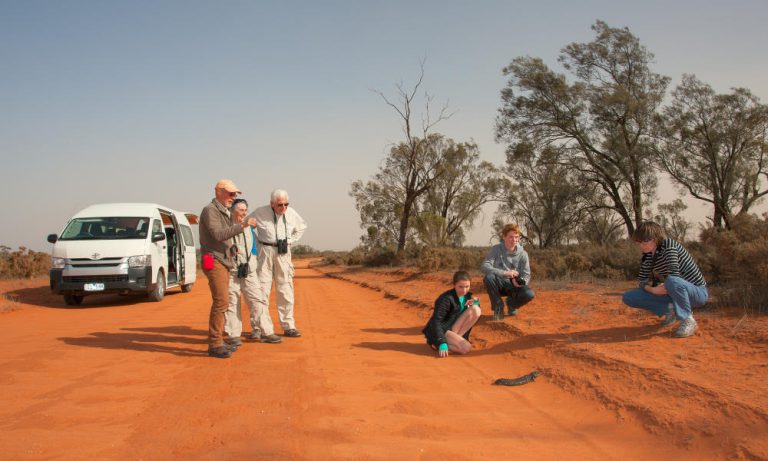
(188, 252)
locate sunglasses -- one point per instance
(228, 193)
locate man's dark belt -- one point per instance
(268, 244)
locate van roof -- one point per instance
(124, 209)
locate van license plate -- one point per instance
(94, 287)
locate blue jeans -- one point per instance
(682, 294)
(498, 286)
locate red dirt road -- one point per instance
(121, 378)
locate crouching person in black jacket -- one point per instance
(456, 312)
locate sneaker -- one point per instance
(512, 312)
(221, 352)
(233, 341)
(271, 339)
(292, 333)
(669, 317)
(498, 316)
(687, 328)
(255, 335)
(230, 347)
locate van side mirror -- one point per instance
(52, 238)
(158, 236)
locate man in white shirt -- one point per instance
(278, 227)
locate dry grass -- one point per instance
(9, 302)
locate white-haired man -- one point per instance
(278, 228)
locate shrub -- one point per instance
(734, 261)
(447, 258)
(362, 257)
(578, 263)
(615, 261)
(303, 251)
(23, 263)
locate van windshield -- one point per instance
(108, 228)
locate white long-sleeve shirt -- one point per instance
(290, 225)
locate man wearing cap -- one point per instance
(216, 241)
(278, 227)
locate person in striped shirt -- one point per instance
(671, 283)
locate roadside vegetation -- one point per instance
(588, 139)
(23, 263)
(734, 261)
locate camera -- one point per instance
(282, 246)
(242, 270)
(520, 281)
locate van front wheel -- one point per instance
(158, 292)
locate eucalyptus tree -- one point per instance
(670, 217)
(410, 169)
(601, 122)
(545, 194)
(449, 208)
(714, 146)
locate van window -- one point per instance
(186, 233)
(106, 228)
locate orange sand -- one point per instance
(123, 378)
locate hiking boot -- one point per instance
(512, 312)
(292, 333)
(221, 352)
(687, 328)
(669, 317)
(271, 339)
(498, 316)
(255, 335)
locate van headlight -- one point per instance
(58, 263)
(139, 261)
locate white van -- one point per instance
(124, 248)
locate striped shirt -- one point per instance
(670, 259)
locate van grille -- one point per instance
(101, 259)
(109, 264)
(96, 278)
(103, 262)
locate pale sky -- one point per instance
(154, 101)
